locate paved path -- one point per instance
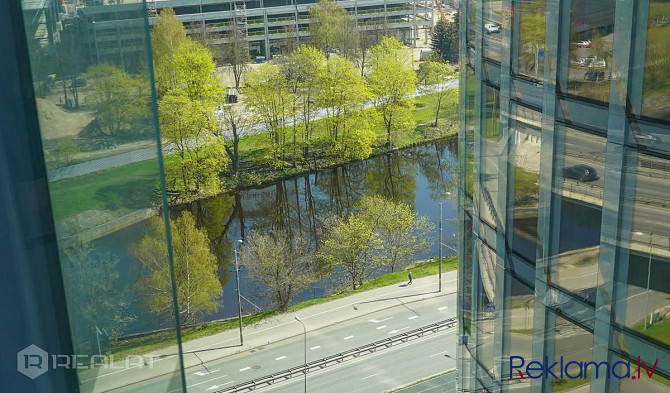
(277, 343)
(140, 155)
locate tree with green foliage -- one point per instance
(267, 96)
(95, 296)
(332, 28)
(234, 121)
(402, 233)
(236, 53)
(188, 126)
(532, 27)
(117, 98)
(343, 96)
(392, 81)
(444, 40)
(280, 264)
(349, 243)
(436, 73)
(304, 69)
(195, 270)
(168, 34)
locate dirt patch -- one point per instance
(57, 122)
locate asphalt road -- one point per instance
(288, 353)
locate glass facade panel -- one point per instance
(656, 85)
(573, 344)
(530, 35)
(590, 59)
(492, 29)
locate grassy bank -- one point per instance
(160, 340)
(129, 187)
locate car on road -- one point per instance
(597, 63)
(582, 44)
(492, 28)
(580, 61)
(647, 140)
(594, 76)
(580, 172)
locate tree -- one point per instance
(168, 35)
(444, 40)
(436, 74)
(349, 243)
(194, 68)
(281, 265)
(117, 98)
(332, 28)
(233, 124)
(392, 81)
(343, 95)
(531, 35)
(401, 232)
(270, 101)
(95, 297)
(303, 69)
(188, 126)
(236, 52)
(195, 270)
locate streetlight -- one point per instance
(239, 301)
(646, 309)
(439, 271)
(304, 329)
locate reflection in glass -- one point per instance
(490, 153)
(575, 345)
(656, 85)
(492, 29)
(590, 59)
(531, 32)
(581, 186)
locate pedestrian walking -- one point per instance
(410, 278)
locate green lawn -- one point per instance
(156, 341)
(130, 187)
(659, 331)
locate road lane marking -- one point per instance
(217, 386)
(317, 347)
(381, 327)
(398, 330)
(348, 337)
(413, 316)
(200, 373)
(245, 369)
(437, 354)
(370, 376)
(442, 308)
(281, 358)
(200, 383)
(379, 320)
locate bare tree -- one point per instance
(236, 53)
(233, 122)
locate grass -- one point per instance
(559, 385)
(160, 340)
(130, 187)
(659, 331)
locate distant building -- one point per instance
(564, 194)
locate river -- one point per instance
(420, 177)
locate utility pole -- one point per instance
(239, 301)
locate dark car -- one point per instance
(580, 172)
(594, 76)
(647, 140)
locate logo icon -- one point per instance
(32, 361)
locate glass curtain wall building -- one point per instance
(565, 177)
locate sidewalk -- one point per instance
(268, 331)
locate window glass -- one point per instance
(485, 313)
(531, 30)
(590, 59)
(574, 344)
(580, 182)
(656, 85)
(489, 159)
(492, 29)
(518, 325)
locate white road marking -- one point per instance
(381, 327)
(200, 373)
(378, 320)
(281, 358)
(245, 369)
(200, 383)
(413, 316)
(370, 376)
(437, 354)
(317, 347)
(218, 386)
(398, 330)
(442, 308)
(348, 337)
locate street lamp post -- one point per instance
(646, 309)
(439, 271)
(304, 329)
(239, 301)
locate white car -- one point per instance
(492, 28)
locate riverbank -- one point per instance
(151, 342)
(118, 190)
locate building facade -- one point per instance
(565, 176)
